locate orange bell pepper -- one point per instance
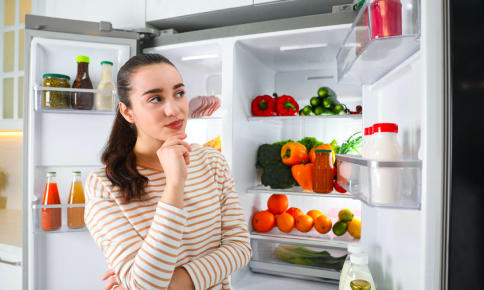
(294, 153)
(312, 154)
(303, 173)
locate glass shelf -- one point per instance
(296, 190)
(387, 184)
(64, 95)
(63, 208)
(284, 118)
(364, 59)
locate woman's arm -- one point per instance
(235, 250)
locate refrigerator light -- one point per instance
(11, 133)
(203, 56)
(319, 77)
(285, 48)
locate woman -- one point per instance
(166, 216)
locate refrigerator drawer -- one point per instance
(297, 260)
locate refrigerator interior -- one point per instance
(202, 76)
(263, 65)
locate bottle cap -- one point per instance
(83, 58)
(323, 151)
(56, 76)
(107, 62)
(76, 173)
(367, 131)
(51, 174)
(359, 259)
(355, 248)
(360, 285)
(385, 128)
(370, 130)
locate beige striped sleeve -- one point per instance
(138, 263)
(235, 251)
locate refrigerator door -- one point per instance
(64, 142)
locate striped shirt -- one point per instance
(144, 242)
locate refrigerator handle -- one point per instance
(10, 263)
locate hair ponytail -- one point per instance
(118, 155)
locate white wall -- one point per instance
(123, 14)
(11, 172)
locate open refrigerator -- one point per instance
(386, 77)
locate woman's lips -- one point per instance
(175, 125)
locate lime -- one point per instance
(308, 111)
(345, 215)
(339, 228)
(315, 101)
(327, 112)
(319, 110)
(338, 109)
(324, 92)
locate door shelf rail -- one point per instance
(77, 211)
(385, 184)
(43, 95)
(297, 190)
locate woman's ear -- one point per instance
(126, 112)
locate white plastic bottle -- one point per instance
(366, 139)
(105, 101)
(358, 270)
(354, 248)
(385, 182)
(368, 142)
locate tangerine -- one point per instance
(285, 222)
(304, 223)
(314, 213)
(264, 221)
(295, 212)
(323, 224)
(277, 203)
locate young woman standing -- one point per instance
(165, 215)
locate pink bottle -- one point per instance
(386, 18)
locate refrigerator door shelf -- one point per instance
(42, 93)
(37, 217)
(296, 190)
(288, 118)
(273, 257)
(387, 184)
(363, 60)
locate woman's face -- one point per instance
(159, 107)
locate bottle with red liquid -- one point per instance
(51, 217)
(323, 174)
(386, 18)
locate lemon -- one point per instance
(354, 228)
(340, 228)
(345, 215)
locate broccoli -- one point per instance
(269, 155)
(310, 143)
(282, 143)
(278, 176)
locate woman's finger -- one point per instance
(108, 274)
(111, 283)
(175, 142)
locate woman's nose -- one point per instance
(171, 108)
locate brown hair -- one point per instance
(118, 155)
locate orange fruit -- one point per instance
(323, 224)
(295, 212)
(264, 221)
(285, 222)
(304, 223)
(277, 203)
(314, 213)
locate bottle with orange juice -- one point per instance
(75, 215)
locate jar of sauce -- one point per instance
(82, 101)
(323, 172)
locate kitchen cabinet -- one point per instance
(165, 9)
(10, 270)
(10, 249)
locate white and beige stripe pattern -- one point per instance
(144, 242)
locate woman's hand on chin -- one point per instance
(174, 157)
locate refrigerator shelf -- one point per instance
(363, 60)
(205, 119)
(384, 184)
(296, 190)
(286, 118)
(41, 92)
(78, 213)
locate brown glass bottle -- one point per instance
(82, 101)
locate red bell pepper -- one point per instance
(287, 106)
(264, 106)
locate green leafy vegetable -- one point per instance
(282, 143)
(310, 143)
(351, 145)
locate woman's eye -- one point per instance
(180, 94)
(155, 100)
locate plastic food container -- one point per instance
(56, 99)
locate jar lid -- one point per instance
(360, 285)
(51, 174)
(323, 151)
(56, 76)
(83, 58)
(359, 259)
(107, 62)
(355, 248)
(385, 128)
(370, 130)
